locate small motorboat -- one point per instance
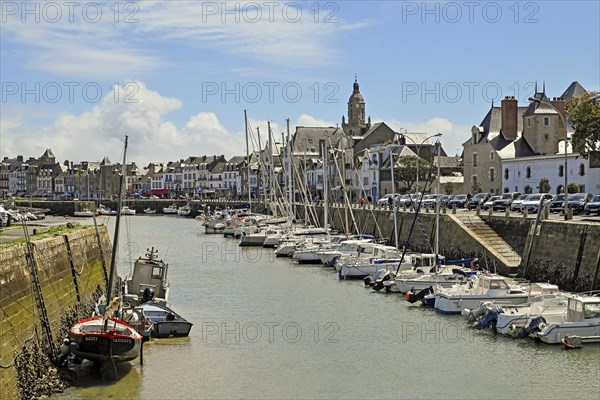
(125, 210)
(172, 209)
(83, 213)
(149, 210)
(166, 322)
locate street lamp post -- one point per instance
(565, 121)
(419, 151)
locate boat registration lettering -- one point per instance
(117, 340)
(91, 338)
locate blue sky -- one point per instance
(186, 70)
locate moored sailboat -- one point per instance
(106, 339)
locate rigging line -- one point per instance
(343, 185)
(17, 354)
(362, 187)
(21, 305)
(40, 270)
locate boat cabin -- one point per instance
(582, 308)
(148, 280)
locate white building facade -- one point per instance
(523, 174)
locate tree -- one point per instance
(586, 121)
(544, 186)
(573, 188)
(406, 171)
(448, 189)
(475, 187)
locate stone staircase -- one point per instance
(489, 239)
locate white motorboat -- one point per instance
(359, 266)
(172, 209)
(83, 213)
(345, 248)
(103, 210)
(149, 210)
(184, 211)
(479, 288)
(148, 280)
(125, 210)
(583, 319)
(254, 239)
(545, 299)
(287, 248)
(424, 274)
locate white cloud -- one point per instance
(112, 48)
(100, 131)
(309, 120)
(453, 135)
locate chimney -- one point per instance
(561, 106)
(509, 112)
(20, 158)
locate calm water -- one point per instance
(266, 328)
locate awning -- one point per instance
(159, 191)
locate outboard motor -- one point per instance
(490, 319)
(534, 324)
(147, 295)
(332, 262)
(411, 297)
(378, 285)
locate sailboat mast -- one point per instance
(115, 247)
(289, 171)
(325, 188)
(270, 163)
(261, 176)
(248, 160)
(438, 204)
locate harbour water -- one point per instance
(267, 328)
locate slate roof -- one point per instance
(574, 90)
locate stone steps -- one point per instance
(489, 239)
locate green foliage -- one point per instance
(448, 188)
(406, 171)
(585, 118)
(544, 186)
(572, 188)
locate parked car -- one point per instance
(404, 199)
(577, 201)
(490, 202)
(516, 204)
(557, 204)
(478, 200)
(460, 201)
(593, 206)
(384, 201)
(532, 202)
(445, 199)
(429, 201)
(505, 200)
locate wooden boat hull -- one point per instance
(119, 342)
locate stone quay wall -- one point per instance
(71, 273)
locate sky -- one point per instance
(176, 76)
